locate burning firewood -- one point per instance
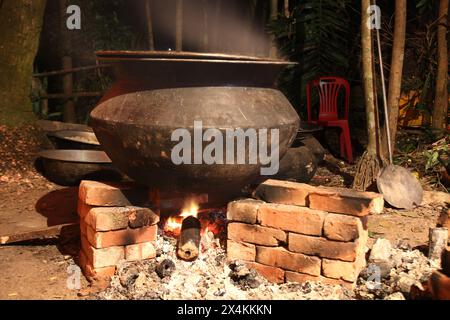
(189, 243)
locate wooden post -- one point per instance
(69, 114)
(179, 25)
(44, 102)
(273, 16)
(151, 38)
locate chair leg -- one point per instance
(348, 144)
(342, 144)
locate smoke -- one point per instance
(222, 26)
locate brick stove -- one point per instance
(296, 233)
(290, 232)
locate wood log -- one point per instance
(189, 243)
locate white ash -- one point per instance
(207, 278)
(403, 269)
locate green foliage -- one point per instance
(317, 36)
(108, 29)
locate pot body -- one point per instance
(136, 120)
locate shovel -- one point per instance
(399, 187)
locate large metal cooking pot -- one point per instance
(70, 167)
(158, 92)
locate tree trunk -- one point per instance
(441, 98)
(396, 73)
(287, 12)
(20, 28)
(369, 165)
(179, 26)
(368, 79)
(151, 37)
(273, 16)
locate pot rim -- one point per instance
(76, 156)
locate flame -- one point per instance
(173, 224)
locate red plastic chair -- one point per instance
(328, 91)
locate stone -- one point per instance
(254, 234)
(397, 296)
(315, 246)
(381, 251)
(292, 218)
(243, 211)
(343, 228)
(282, 258)
(121, 237)
(240, 251)
(405, 283)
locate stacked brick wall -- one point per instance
(112, 229)
(295, 232)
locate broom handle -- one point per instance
(386, 112)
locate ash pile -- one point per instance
(394, 272)
(209, 277)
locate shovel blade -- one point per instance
(400, 188)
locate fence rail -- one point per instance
(68, 95)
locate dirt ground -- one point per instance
(39, 269)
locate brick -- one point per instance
(284, 192)
(272, 274)
(240, 251)
(337, 200)
(242, 232)
(121, 237)
(141, 217)
(83, 209)
(117, 218)
(245, 211)
(104, 194)
(346, 201)
(83, 228)
(100, 258)
(292, 218)
(296, 277)
(281, 258)
(315, 246)
(347, 271)
(140, 251)
(91, 272)
(343, 228)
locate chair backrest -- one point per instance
(328, 90)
